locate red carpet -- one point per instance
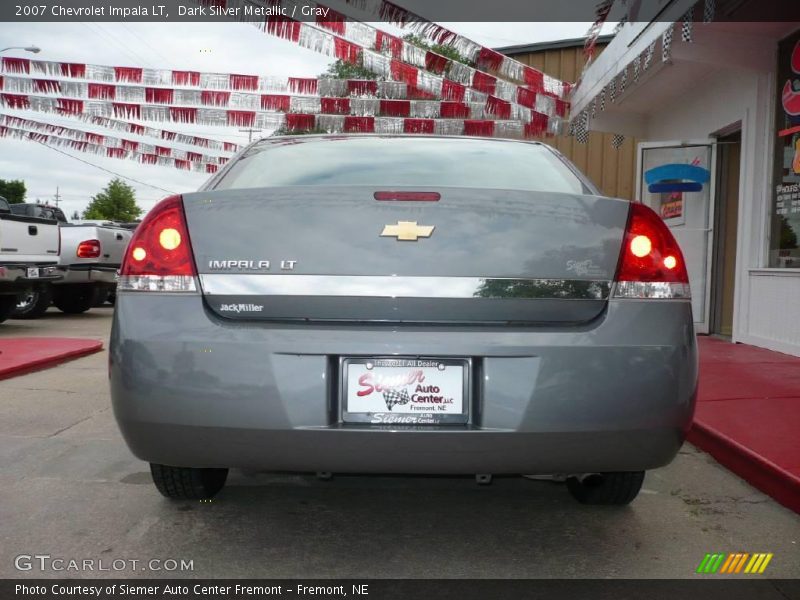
(748, 415)
(22, 355)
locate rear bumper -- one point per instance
(190, 389)
(104, 274)
(14, 277)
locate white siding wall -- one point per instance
(767, 303)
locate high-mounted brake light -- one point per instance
(88, 249)
(159, 256)
(408, 196)
(651, 263)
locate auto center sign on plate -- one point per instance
(405, 390)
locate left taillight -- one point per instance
(159, 255)
(651, 263)
(88, 249)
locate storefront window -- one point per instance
(785, 238)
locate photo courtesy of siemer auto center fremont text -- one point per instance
(400, 299)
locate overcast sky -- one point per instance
(218, 47)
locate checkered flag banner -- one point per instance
(648, 57)
(612, 89)
(623, 79)
(617, 140)
(708, 11)
(666, 44)
(686, 26)
(594, 106)
(602, 99)
(582, 128)
(393, 398)
(637, 68)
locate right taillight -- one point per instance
(159, 255)
(651, 263)
(88, 249)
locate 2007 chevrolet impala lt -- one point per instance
(403, 304)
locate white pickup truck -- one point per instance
(91, 253)
(29, 248)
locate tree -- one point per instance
(346, 70)
(117, 202)
(13, 190)
(441, 49)
(76, 215)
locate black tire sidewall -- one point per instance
(42, 299)
(7, 306)
(75, 299)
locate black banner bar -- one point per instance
(438, 10)
(407, 589)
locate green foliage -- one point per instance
(442, 49)
(788, 238)
(284, 131)
(117, 202)
(13, 190)
(345, 70)
(500, 288)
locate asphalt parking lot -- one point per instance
(70, 489)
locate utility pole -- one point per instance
(57, 196)
(250, 133)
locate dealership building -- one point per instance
(714, 108)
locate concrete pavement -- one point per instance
(70, 488)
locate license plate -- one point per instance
(33, 272)
(426, 391)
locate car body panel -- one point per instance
(243, 368)
(506, 238)
(192, 389)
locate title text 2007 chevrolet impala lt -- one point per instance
(403, 304)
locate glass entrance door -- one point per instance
(676, 179)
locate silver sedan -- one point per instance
(403, 304)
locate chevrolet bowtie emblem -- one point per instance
(407, 231)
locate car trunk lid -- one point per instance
(337, 253)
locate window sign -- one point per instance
(785, 239)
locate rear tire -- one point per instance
(33, 304)
(75, 299)
(610, 489)
(187, 483)
(7, 306)
(101, 297)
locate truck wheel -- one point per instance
(7, 306)
(33, 304)
(101, 296)
(606, 488)
(186, 483)
(74, 299)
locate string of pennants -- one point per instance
(380, 98)
(161, 134)
(107, 141)
(400, 60)
(333, 123)
(137, 129)
(483, 57)
(355, 41)
(634, 70)
(416, 91)
(107, 151)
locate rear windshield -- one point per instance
(398, 161)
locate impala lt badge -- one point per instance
(249, 265)
(407, 231)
